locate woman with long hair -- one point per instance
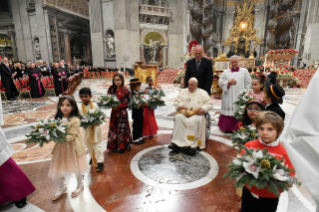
(119, 138)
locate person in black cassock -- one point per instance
(64, 77)
(201, 68)
(57, 79)
(273, 94)
(36, 86)
(7, 76)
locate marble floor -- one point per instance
(149, 178)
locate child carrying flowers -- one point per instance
(269, 126)
(68, 157)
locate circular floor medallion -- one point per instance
(158, 167)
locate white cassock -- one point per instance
(191, 131)
(301, 138)
(231, 95)
(93, 140)
(5, 148)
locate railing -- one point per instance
(148, 9)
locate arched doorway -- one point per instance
(6, 47)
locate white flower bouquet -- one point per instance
(243, 98)
(155, 99)
(137, 101)
(93, 117)
(109, 101)
(243, 135)
(261, 169)
(46, 131)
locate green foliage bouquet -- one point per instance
(109, 101)
(243, 135)
(93, 117)
(155, 99)
(243, 98)
(47, 130)
(137, 101)
(261, 169)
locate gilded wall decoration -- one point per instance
(5, 41)
(77, 6)
(243, 33)
(232, 3)
(154, 36)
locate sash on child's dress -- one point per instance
(39, 84)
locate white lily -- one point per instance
(251, 127)
(61, 128)
(47, 137)
(237, 162)
(54, 133)
(85, 120)
(45, 121)
(91, 110)
(240, 135)
(279, 174)
(251, 168)
(41, 130)
(105, 102)
(258, 154)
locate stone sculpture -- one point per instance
(110, 46)
(285, 21)
(36, 44)
(199, 24)
(271, 38)
(152, 51)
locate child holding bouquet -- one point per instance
(137, 113)
(119, 138)
(252, 108)
(149, 121)
(269, 126)
(68, 157)
(257, 84)
(92, 135)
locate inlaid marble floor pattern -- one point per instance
(148, 178)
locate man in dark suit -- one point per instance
(201, 68)
(7, 76)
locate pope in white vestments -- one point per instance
(232, 81)
(189, 132)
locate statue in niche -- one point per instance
(76, 50)
(152, 51)
(110, 46)
(36, 44)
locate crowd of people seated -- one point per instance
(34, 78)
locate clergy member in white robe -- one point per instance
(301, 139)
(232, 81)
(189, 132)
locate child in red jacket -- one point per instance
(269, 126)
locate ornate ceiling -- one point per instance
(77, 6)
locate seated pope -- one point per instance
(189, 128)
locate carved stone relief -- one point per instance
(54, 40)
(78, 6)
